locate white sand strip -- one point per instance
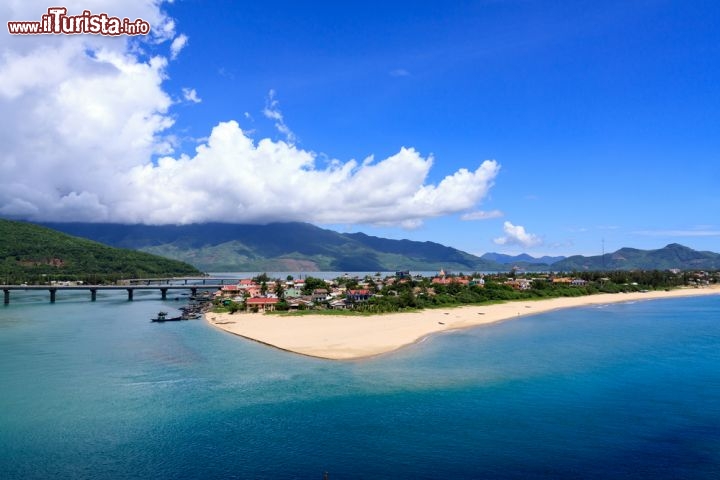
(342, 337)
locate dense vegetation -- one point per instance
(34, 254)
(420, 293)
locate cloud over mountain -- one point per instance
(516, 235)
(86, 136)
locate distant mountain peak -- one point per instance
(671, 256)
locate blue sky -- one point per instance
(600, 120)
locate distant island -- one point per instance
(31, 253)
(302, 247)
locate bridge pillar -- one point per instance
(53, 291)
(186, 281)
(6, 300)
(130, 294)
(163, 293)
(93, 294)
(193, 291)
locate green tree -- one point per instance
(407, 299)
(263, 277)
(312, 283)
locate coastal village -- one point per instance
(262, 294)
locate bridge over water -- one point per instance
(184, 280)
(93, 289)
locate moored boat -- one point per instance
(162, 317)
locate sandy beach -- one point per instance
(345, 337)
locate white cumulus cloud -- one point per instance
(516, 235)
(232, 178)
(85, 135)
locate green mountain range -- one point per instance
(668, 257)
(219, 247)
(29, 251)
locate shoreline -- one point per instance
(346, 337)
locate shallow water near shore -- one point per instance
(95, 390)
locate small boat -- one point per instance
(162, 317)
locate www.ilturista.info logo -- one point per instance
(57, 21)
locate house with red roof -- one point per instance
(358, 295)
(263, 304)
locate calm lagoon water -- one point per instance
(95, 390)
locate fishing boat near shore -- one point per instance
(193, 311)
(162, 317)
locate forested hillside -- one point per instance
(30, 252)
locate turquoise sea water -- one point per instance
(94, 390)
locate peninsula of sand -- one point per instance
(345, 337)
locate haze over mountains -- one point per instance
(220, 247)
(523, 258)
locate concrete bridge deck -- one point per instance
(93, 289)
(185, 280)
